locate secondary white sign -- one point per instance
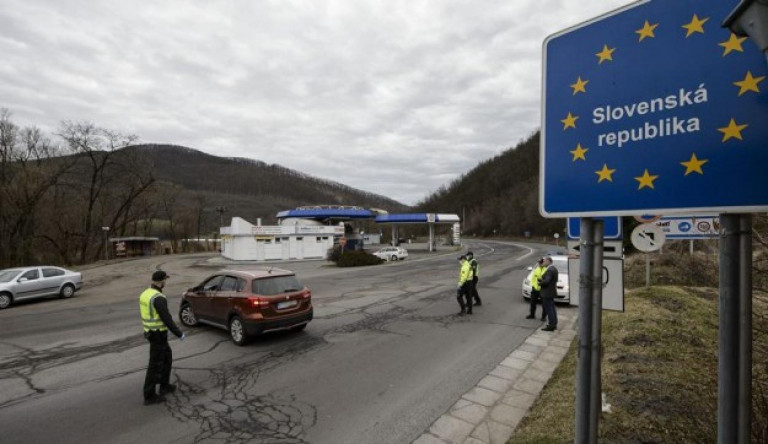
(689, 227)
(613, 282)
(647, 237)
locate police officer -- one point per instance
(548, 282)
(464, 290)
(157, 321)
(475, 274)
(536, 274)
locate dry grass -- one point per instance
(659, 373)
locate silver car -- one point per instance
(17, 284)
(392, 253)
(561, 263)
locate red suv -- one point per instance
(248, 303)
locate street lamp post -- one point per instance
(106, 242)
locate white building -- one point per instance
(293, 239)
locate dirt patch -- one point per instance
(639, 339)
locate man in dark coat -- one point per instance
(548, 293)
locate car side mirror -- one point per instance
(23, 280)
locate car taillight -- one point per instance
(258, 302)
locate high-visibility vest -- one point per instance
(150, 319)
(465, 274)
(538, 272)
(475, 268)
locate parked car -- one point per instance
(17, 284)
(392, 253)
(561, 263)
(248, 303)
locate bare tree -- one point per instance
(99, 165)
(28, 171)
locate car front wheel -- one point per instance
(5, 300)
(394, 258)
(237, 331)
(67, 291)
(187, 316)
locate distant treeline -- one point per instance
(500, 196)
(59, 192)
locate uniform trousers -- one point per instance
(464, 296)
(160, 361)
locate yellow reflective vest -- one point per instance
(149, 317)
(538, 272)
(465, 274)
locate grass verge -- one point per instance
(659, 372)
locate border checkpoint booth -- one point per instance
(431, 219)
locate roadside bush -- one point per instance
(353, 258)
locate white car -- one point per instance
(561, 263)
(17, 284)
(392, 253)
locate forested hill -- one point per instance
(251, 188)
(499, 194)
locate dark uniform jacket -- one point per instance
(549, 283)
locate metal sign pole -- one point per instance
(584, 364)
(728, 334)
(745, 329)
(595, 388)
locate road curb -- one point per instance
(490, 411)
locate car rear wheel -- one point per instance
(237, 331)
(5, 300)
(394, 258)
(67, 291)
(187, 316)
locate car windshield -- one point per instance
(276, 285)
(561, 265)
(8, 275)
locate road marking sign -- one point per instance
(647, 237)
(653, 109)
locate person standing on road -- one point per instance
(157, 320)
(473, 263)
(537, 273)
(464, 290)
(548, 282)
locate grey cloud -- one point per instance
(343, 90)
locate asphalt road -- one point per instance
(385, 356)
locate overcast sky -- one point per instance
(393, 97)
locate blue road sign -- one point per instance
(611, 226)
(654, 109)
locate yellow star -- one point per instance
(579, 152)
(749, 83)
(569, 122)
(732, 130)
(732, 44)
(605, 54)
(694, 165)
(579, 86)
(646, 180)
(646, 31)
(696, 25)
(605, 174)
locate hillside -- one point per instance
(248, 188)
(498, 194)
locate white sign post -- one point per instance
(613, 282)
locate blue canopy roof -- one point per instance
(327, 213)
